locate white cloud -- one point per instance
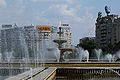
(56, 1)
(73, 12)
(42, 0)
(2, 3)
(61, 9)
(70, 1)
(19, 7)
(65, 10)
(38, 18)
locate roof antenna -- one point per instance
(107, 10)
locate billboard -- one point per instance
(43, 28)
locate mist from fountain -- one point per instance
(109, 57)
(79, 50)
(83, 54)
(116, 56)
(98, 53)
(86, 55)
(9, 59)
(43, 51)
(25, 54)
(9, 56)
(16, 49)
(51, 49)
(39, 57)
(57, 53)
(52, 53)
(20, 46)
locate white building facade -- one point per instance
(66, 35)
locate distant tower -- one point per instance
(107, 10)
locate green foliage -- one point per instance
(88, 44)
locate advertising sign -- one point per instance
(43, 28)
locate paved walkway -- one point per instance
(38, 74)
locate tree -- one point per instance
(88, 44)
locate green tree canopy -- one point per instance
(88, 44)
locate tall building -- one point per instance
(30, 39)
(107, 30)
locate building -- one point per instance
(66, 35)
(37, 39)
(44, 31)
(11, 38)
(107, 30)
(23, 42)
(44, 35)
(30, 40)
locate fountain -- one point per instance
(31, 74)
(14, 49)
(43, 51)
(86, 55)
(117, 56)
(57, 54)
(24, 48)
(60, 40)
(53, 53)
(109, 57)
(98, 53)
(9, 57)
(83, 54)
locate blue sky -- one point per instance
(80, 14)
